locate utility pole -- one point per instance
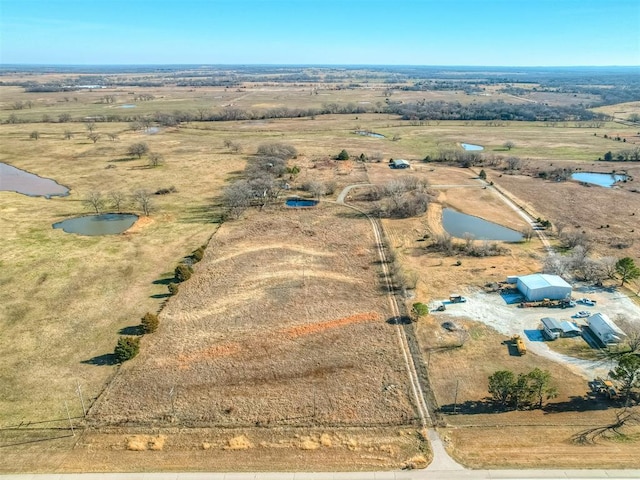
(84, 410)
(455, 398)
(69, 417)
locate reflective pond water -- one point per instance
(103, 224)
(470, 147)
(13, 179)
(370, 134)
(458, 224)
(300, 202)
(602, 179)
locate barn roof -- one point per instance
(542, 280)
(551, 323)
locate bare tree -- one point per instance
(138, 149)
(35, 135)
(95, 201)
(68, 134)
(514, 163)
(142, 198)
(155, 159)
(508, 145)
(90, 126)
(527, 233)
(94, 137)
(112, 136)
(117, 199)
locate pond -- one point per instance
(470, 147)
(128, 105)
(300, 202)
(13, 179)
(458, 224)
(102, 224)
(606, 180)
(369, 134)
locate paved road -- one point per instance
(397, 475)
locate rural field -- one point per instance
(282, 350)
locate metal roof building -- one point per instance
(539, 286)
(606, 331)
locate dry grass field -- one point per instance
(277, 353)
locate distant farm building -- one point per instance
(399, 164)
(553, 329)
(606, 331)
(539, 286)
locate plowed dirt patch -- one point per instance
(321, 327)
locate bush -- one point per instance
(183, 272)
(198, 254)
(149, 323)
(127, 348)
(173, 288)
(343, 155)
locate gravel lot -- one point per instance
(508, 319)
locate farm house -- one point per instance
(539, 286)
(603, 328)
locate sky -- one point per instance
(327, 32)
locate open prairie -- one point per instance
(277, 353)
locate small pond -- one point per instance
(606, 180)
(470, 147)
(300, 202)
(369, 134)
(128, 105)
(457, 224)
(103, 224)
(13, 179)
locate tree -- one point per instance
(143, 199)
(183, 272)
(173, 288)
(64, 118)
(608, 157)
(126, 348)
(95, 200)
(68, 134)
(343, 155)
(539, 384)
(90, 126)
(482, 175)
(501, 385)
(117, 199)
(627, 373)
(149, 322)
(35, 135)
(94, 137)
(627, 269)
(419, 309)
(155, 159)
(138, 149)
(508, 145)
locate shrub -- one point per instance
(198, 254)
(149, 323)
(183, 272)
(343, 155)
(127, 348)
(173, 288)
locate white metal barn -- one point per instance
(603, 328)
(539, 286)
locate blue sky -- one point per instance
(400, 32)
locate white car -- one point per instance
(582, 314)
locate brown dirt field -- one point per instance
(291, 334)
